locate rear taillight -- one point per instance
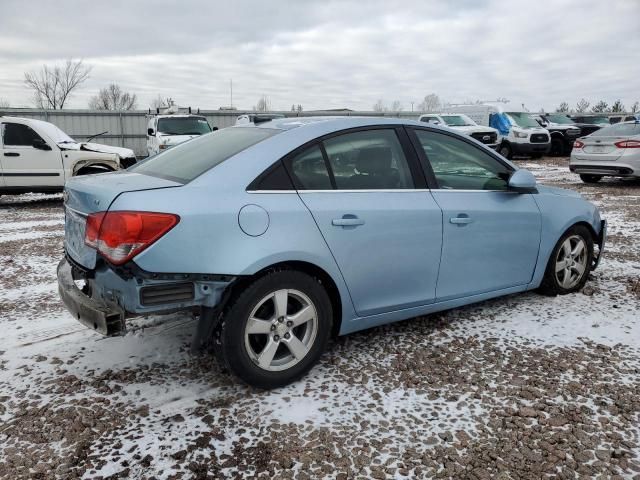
(121, 235)
(628, 144)
(578, 144)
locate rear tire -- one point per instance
(505, 151)
(586, 178)
(570, 262)
(276, 329)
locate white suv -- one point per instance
(37, 156)
(461, 123)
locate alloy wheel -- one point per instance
(281, 329)
(571, 261)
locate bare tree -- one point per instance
(162, 102)
(299, 108)
(52, 85)
(582, 105)
(4, 103)
(617, 107)
(263, 105)
(635, 107)
(396, 106)
(113, 98)
(600, 107)
(431, 103)
(380, 106)
(563, 107)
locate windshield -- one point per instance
(618, 130)
(183, 126)
(458, 120)
(54, 133)
(523, 119)
(560, 119)
(595, 120)
(190, 159)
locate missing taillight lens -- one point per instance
(578, 144)
(121, 235)
(628, 144)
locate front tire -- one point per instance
(586, 178)
(570, 262)
(505, 151)
(275, 331)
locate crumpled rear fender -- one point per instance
(76, 160)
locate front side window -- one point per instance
(459, 165)
(16, 134)
(369, 159)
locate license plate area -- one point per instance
(74, 231)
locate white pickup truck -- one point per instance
(37, 156)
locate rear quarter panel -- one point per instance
(208, 238)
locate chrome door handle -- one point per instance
(347, 221)
(462, 219)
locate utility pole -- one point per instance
(231, 87)
(412, 106)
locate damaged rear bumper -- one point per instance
(108, 297)
(99, 316)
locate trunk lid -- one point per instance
(95, 193)
(603, 147)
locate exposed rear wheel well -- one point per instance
(313, 270)
(94, 168)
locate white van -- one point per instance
(169, 129)
(521, 133)
(463, 124)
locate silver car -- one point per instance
(612, 151)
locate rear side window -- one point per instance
(310, 170)
(186, 161)
(368, 160)
(17, 134)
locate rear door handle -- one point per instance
(347, 221)
(11, 154)
(462, 219)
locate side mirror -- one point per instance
(150, 132)
(40, 144)
(522, 181)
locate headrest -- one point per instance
(374, 160)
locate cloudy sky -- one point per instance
(331, 54)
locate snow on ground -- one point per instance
(523, 386)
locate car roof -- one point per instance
(330, 123)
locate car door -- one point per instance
(381, 224)
(491, 235)
(24, 165)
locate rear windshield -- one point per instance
(618, 130)
(186, 161)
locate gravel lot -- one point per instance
(519, 387)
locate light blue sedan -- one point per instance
(282, 234)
